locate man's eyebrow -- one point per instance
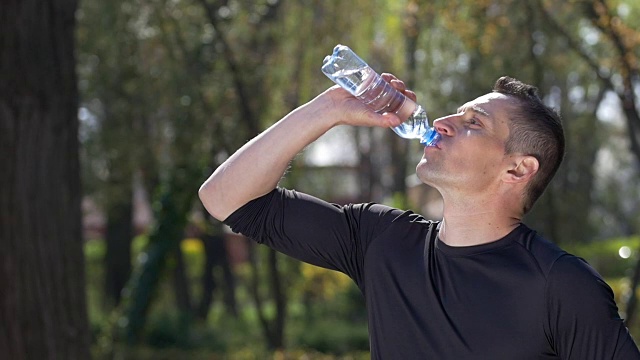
(480, 110)
(475, 108)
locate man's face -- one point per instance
(470, 157)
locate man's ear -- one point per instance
(523, 169)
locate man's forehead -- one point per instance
(484, 103)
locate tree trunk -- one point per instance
(280, 299)
(216, 257)
(118, 242)
(208, 280)
(229, 291)
(42, 303)
(171, 217)
(181, 282)
(272, 328)
(399, 164)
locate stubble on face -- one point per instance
(469, 156)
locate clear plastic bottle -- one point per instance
(348, 70)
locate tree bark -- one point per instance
(229, 291)
(272, 328)
(208, 282)
(118, 242)
(216, 256)
(171, 215)
(280, 299)
(181, 282)
(42, 303)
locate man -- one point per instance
(477, 285)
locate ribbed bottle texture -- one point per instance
(349, 71)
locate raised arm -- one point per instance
(256, 168)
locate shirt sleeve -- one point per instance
(312, 230)
(582, 314)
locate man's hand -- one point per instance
(348, 110)
(256, 168)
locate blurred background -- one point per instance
(165, 90)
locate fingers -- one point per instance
(348, 110)
(393, 80)
(411, 95)
(391, 120)
(398, 85)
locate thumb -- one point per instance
(391, 119)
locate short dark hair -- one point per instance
(534, 129)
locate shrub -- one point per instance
(334, 337)
(604, 255)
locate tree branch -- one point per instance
(240, 86)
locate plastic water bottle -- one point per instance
(348, 70)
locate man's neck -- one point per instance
(473, 225)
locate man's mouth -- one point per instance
(431, 139)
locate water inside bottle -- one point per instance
(430, 137)
(376, 93)
(381, 97)
(346, 69)
(354, 80)
(415, 127)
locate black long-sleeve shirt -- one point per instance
(520, 297)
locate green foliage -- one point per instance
(339, 314)
(399, 200)
(164, 100)
(604, 255)
(171, 213)
(334, 336)
(322, 284)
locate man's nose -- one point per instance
(444, 125)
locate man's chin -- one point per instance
(429, 176)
